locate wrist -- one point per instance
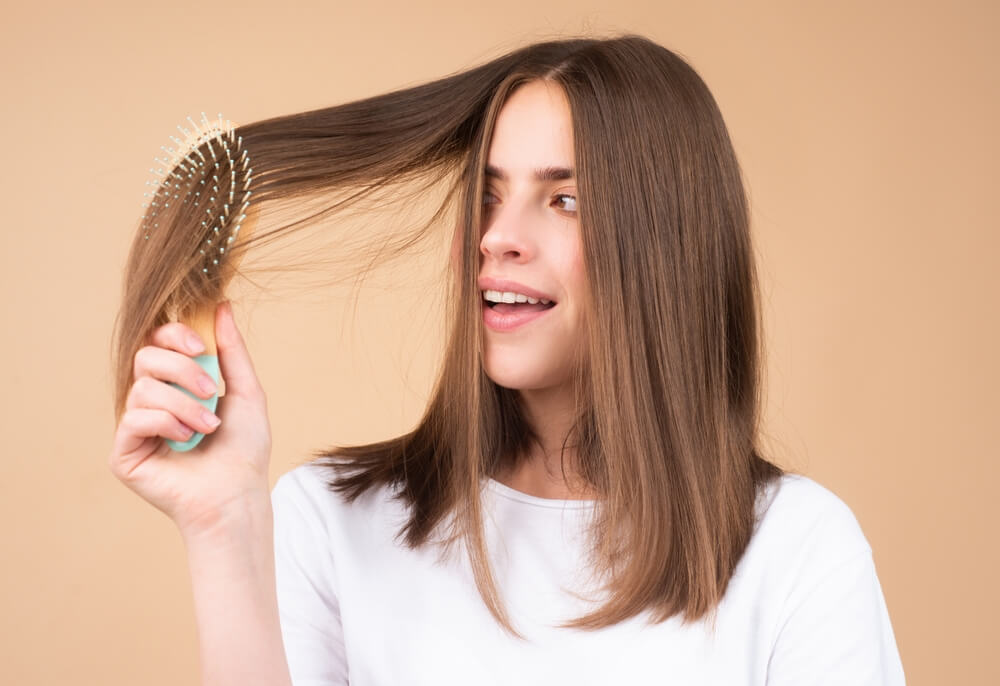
(244, 518)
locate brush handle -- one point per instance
(210, 363)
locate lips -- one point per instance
(517, 316)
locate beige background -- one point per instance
(867, 131)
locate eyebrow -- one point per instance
(543, 174)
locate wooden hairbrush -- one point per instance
(201, 198)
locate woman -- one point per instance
(591, 440)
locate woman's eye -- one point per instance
(489, 198)
(562, 197)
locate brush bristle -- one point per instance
(205, 182)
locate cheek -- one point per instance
(573, 270)
(575, 284)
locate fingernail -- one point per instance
(194, 343)
(210, 419)
(206, 384)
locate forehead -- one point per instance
(533, 129)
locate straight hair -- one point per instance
(668, 397)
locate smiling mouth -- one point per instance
(509, 308)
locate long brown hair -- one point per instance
(668, 403)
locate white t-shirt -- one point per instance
(803, 608)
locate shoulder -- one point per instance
(302, 490)
(304, 494)
(302, 484)
(804, 532)
(810, 570)
(801, 514)
(806, 538)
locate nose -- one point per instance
(507, 232)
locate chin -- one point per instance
(516, 375)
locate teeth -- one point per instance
(511, 297)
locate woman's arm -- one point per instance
(236, 608)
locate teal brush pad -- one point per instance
(210, 363)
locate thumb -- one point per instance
(234, 360)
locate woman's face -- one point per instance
(530, 242)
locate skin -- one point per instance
(217, 494)
(531, 235)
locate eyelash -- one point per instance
(558, 195)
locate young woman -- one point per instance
(584, 500)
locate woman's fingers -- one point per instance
(177, 336)
(138, 425)
(146, 422)
(227, 468)
(150, 393)
(168, 365)
(234, 359)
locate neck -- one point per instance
(550, 412)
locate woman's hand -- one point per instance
(224, 477)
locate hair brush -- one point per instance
(201, 197)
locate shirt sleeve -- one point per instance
(307, 603)
(836, 631)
